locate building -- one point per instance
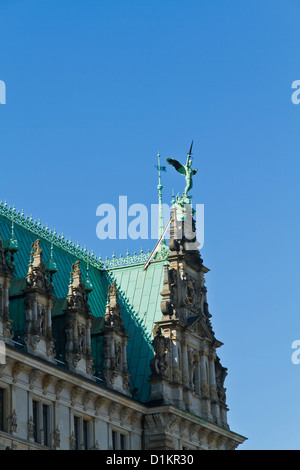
(114, 354)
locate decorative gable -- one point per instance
(115, 368)
(78, 321)
(38, 306)
(186, 371)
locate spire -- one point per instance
(160, 208)
(88, 283)
(115, 369)
(11, 246)
(12, 225)
(40, 274)
(78, 322)
(38, 305)
(51, 250)
(51, 266)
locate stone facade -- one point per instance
(50, 394)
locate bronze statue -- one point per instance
(185, 170)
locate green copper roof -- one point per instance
(139, 296)
(139, 289)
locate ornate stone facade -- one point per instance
(78, 323)
(115, 370)
(7, 252)
(38, 306)
(66, 382)
(186, 370)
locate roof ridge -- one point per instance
(67, 245)
(43, 231)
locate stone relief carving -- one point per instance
(161, 347)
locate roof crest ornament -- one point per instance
(57, 240)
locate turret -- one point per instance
(186, 370)
(78, 320)
(38, 304)
(115, 371)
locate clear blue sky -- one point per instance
(96, 88)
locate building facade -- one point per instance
(106, 355)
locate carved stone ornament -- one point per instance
(77, 298)
(72, 441)
(30, 428)
(46, 382)
(59, 386)
(192, 289)
(37, 277)
(113, 314)
(204, 389)
(161, 346)
(56, 437)
(16, 369)
(13, 421)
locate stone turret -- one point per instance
(6, 274)
(186, 371)
(38, 306)
(78, 320)
(115, 371)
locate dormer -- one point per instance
(78, 321)
(115, 370)
(38, 305)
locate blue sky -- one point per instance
(96, 89)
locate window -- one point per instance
(122, 441)
(81, 433)
(1, 409)
(35, 420)
(76, 431)
(85, 429)
(114, 440)
(45, 425)
(118, 441)
(41, 414)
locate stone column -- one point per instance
(109, 437)
(6, 294)
(88, 337)
(112, 350)
(1, 311)
(205, 392)
(75, 333)
(175, 362)
(197, 377)
(30, 418)
(185, 367)
(34, 311)
(49, 320)
(84, 340)
(12, 419)
(7, 331)
(124, 356)
(213, 388)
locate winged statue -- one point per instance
(185, 170)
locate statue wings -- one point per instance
(180, 168)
